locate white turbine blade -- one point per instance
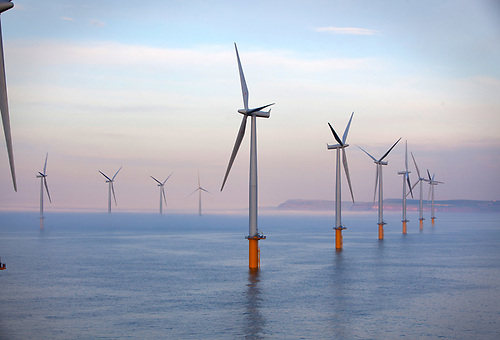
(346, 168)
(344, 137)
(205, 190)
(163, 194)
(199, 183)
(102, 173)
(47, 188)
(117, 173)
(367, 153)
(165, 181)
(157, 181)
(113, 190)
(430, 189)
(4, 107)
(45, 166)
(237, 144)
(376, 184)
(406, 156)
(392, 147)
(244, 89)
(416, 167)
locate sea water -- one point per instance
(177, 276)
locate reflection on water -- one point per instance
(255, 322)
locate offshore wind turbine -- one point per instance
(432, 184)
(43, 182)
(162, 192)
(421, 206)
(338, 195)
(4, 105)
(406, 181)
(111, 189)
(378, 178)
(253, 232)
(199, 189)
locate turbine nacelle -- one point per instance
(336, 146)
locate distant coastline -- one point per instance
(393, 204)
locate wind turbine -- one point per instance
(253, 232)
(162, 192)
(421, 206)
(406, 181)
(338, 196)
(111, 189)
(432, 184)
(378, 178)
(43, 182)
(199, 189)
(4, 105)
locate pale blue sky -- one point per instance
(153, 86)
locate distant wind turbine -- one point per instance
(111, 189)
(406, 181)
(199, 189)
(253, 232)
(420, 180)
(432, 184)
(43, 182)
(4, 105)
(338, 195)
(378, 178)
(162, 192)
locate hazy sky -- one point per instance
(154, 86)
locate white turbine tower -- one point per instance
(162, 192)
(432, 184)
(43, 182)
(253, 232)
(421, 206)
(338, 195)
(4, 105)
(199, 189)
(111, 189)
(406, 181)
(378, 179)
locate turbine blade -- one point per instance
(244, 89)
(344, 137)
(193, 192)
(259, 108)
(428, 174)
(205, 190)
(45, 166)
(409, 185)
(157, 181)
(4, 107)
(237, 144)
(346, 168)
(376, 184)
(416, 167)
(199, 183)
(47, 188)
(163, 194)
(167, 179)
(406, 156)
(102, 173)
(113, 190)
(392, 147)
(367, 153)
(117, 173)
(430, 189)
(335, 135)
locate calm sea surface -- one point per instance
(145, 276)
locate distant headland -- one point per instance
(393, 205)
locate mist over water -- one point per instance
(180, 276)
